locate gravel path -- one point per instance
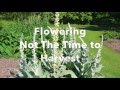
(114, 44)
(8, 67)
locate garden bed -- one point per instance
(113, 43)
(8, 67)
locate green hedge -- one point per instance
(111, 35)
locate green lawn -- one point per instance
(110, 58)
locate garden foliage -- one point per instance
(111, 35)
(85, 67)
(10, 33)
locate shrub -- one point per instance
(10, 33)
(111, 35)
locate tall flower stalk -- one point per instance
(56, 63)
(34, 49)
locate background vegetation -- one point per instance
(13, 24)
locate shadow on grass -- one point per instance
(94, 28)
(0, 28)
(100, 28)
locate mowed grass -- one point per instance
(110, 58)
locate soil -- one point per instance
(8, 67)
(114, 44)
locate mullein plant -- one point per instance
(60, 69)
(57, 68)
(32, 68)
(40, 68)
(85, 67)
